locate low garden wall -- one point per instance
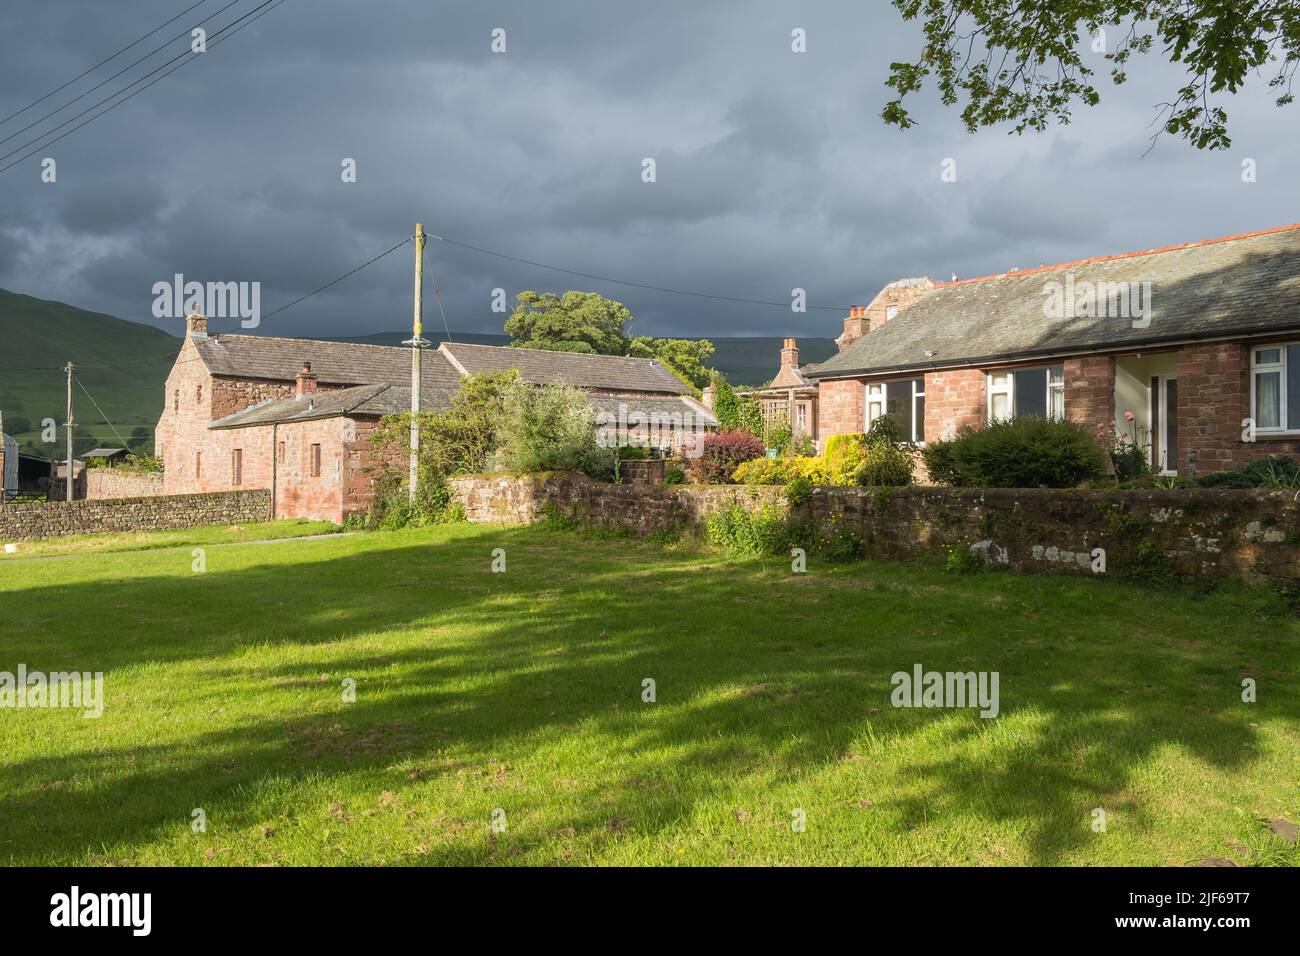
(1198, 532)
(111, 483)
(43, 519)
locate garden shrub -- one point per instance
(551, 428)
(722, 453)
(741, 533)
(1027, 452)
(673, 475)
(884, 431)
(885, 464)
(1278, 472)
(940, 462)
(764, 471)
(844, 454)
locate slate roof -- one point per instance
(665, 406)
(333, 363)
(1237, 285)
(352, 363)
(380, 400)
(614, 372)
(360, 400)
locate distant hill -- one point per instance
(38, 337)
(745, 360)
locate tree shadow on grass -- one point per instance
(754, 669)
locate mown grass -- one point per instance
(153, 540)
(522, 692)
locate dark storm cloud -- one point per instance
(773, 168)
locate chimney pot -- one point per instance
(305, 383)
(790, 354)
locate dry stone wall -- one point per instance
(1191, 532)
(32, 521)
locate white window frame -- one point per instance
(1009, 389)
(877, 403)
(1283, 427)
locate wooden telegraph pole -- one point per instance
(418, 344)
(68, 425)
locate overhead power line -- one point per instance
(60, 89)
(101, 413)
(390, 249)
(266, 7)
(102, 83)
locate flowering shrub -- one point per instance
(1129, 453)
(764, 471)
(722, 453)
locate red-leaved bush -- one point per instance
(723, 451)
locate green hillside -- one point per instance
(121, 364)
(745, 360)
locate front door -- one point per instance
(1164, 424)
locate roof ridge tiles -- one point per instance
(1016, 273)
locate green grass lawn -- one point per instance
(153, 540)
(522, 692)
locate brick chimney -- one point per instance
(305, 383)
(196, 324)
(856, 325)
(707, 396)
(790, 354)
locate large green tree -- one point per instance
(1025, 62)
(589, 322)
(685, 358)
(573, 322)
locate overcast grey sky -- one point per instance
(773, 168)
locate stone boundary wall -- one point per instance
(43, 519)
(109, 483)
(1202, 532)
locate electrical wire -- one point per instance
(629, 282)
(103, 83)
(101, 413)
(79, 76)
(269, 5)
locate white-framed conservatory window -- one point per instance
(905, 401)
(1275, 388)
(1027, 391)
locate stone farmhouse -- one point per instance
(1200, 342)
(295, 416)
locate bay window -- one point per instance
(904, 401)
(1027, 391)
(1275, 388)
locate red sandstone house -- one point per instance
(295, 415)
(1199, 342)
